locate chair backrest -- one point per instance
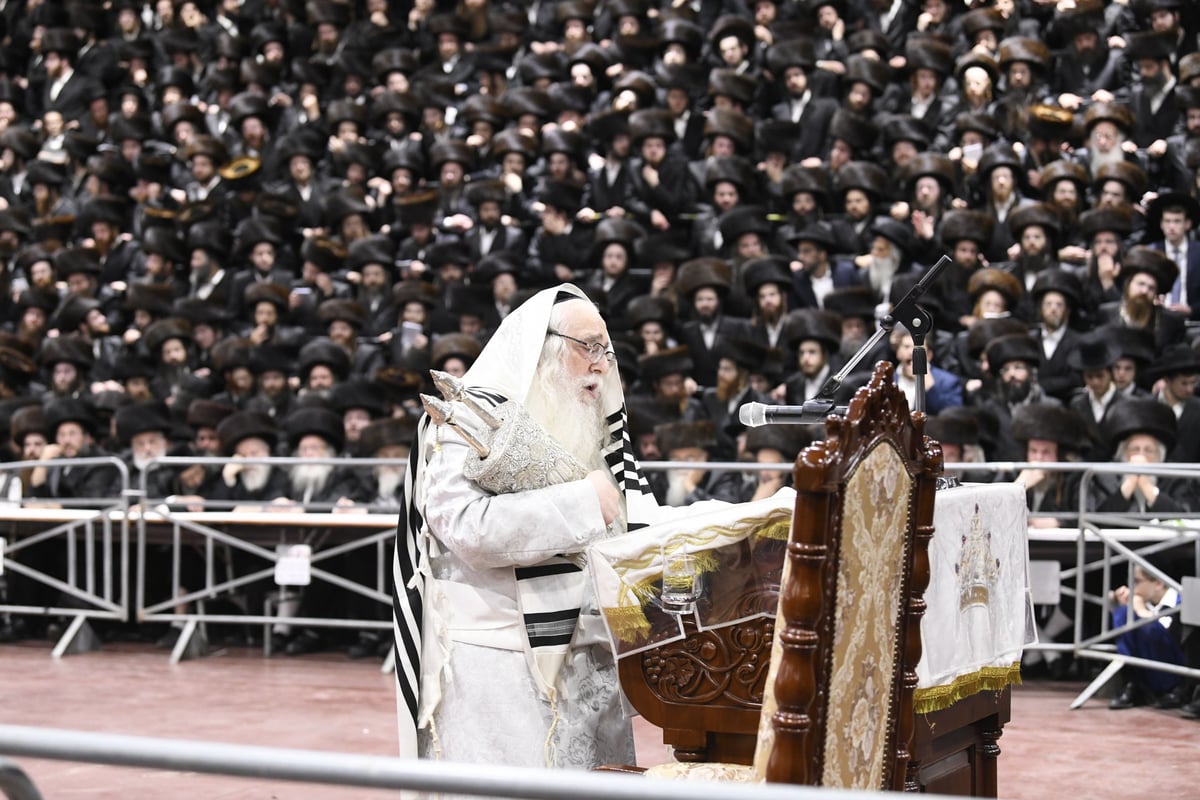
(838, 705)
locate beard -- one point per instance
(1016, 392)
(1140, 310)
(558, 403)
(706, 318)
(141, 462)
(771, 315)
(388, 480)
(1098, 159)
(882, 270)
(677, 491)
(309, 478)
(254, 476)
(1032, 264)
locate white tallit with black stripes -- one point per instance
(550, 591)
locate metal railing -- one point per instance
(378, 772)
(93, 583)
(223, 533)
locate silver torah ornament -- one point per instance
(516, 455)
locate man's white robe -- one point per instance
(482, 697)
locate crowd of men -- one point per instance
(251, 228)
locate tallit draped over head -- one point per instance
(505, 370)
(509, 362)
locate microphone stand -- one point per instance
(916, 319)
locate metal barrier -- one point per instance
(378, 772)
(220, 537)
(99, 586)
(329, 535)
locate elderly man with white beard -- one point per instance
(316, 433)
(249, 434)
(495, 627)
(143, 429)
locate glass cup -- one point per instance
(682, 581)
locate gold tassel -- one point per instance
(988, 679)
(628, 623)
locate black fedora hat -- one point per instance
(1178, 359)
(1094, 352)
(1140, 415)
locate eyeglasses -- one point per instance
(595, 350)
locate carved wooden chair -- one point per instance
(834, 706)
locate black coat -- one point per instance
(703, 360)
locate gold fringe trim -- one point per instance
(777, 526)
(988, 679)
(628, 623)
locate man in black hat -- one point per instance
(65, 90)
(818, 274)
(142, 430)
(1087, 65)
(492, 234)
(957, 429)
(667, 374)
(1176, 215)
(245, 435)
(1012, 360)
(1056, 295)
(68, 362)
(1153, 101)
(662, 183)
(72, 428)
(314, 433)
(558, 250)
(769, 286)
(1104, 231)
(258, 241)
(168, 342)
(735, 361)
(814, 336)
(704, 284)
(199, 481)
(1142, 431)
(1136, 352)
(1145, 274)
(692, 441)
(452, 66)
(369, 271)
(791, 62)
(345, 319)
(1093, 356)
(1178, 369)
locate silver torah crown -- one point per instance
(515, 452)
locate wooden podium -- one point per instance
(706, 686)
(705, 692)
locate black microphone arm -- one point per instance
(915, 318)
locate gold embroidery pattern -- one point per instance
(869, 591)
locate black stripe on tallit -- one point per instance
(408, 644)
(552, 627)
(542, 570)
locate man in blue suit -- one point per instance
(1175, 214)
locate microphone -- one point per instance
(754, 415)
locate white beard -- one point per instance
(309, 478)
(254, 476)
(388, 479)
(141, 462)
(556, 401)
(882, 271)
(677, 491)
(1098, 159)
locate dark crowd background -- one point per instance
(251, 228)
